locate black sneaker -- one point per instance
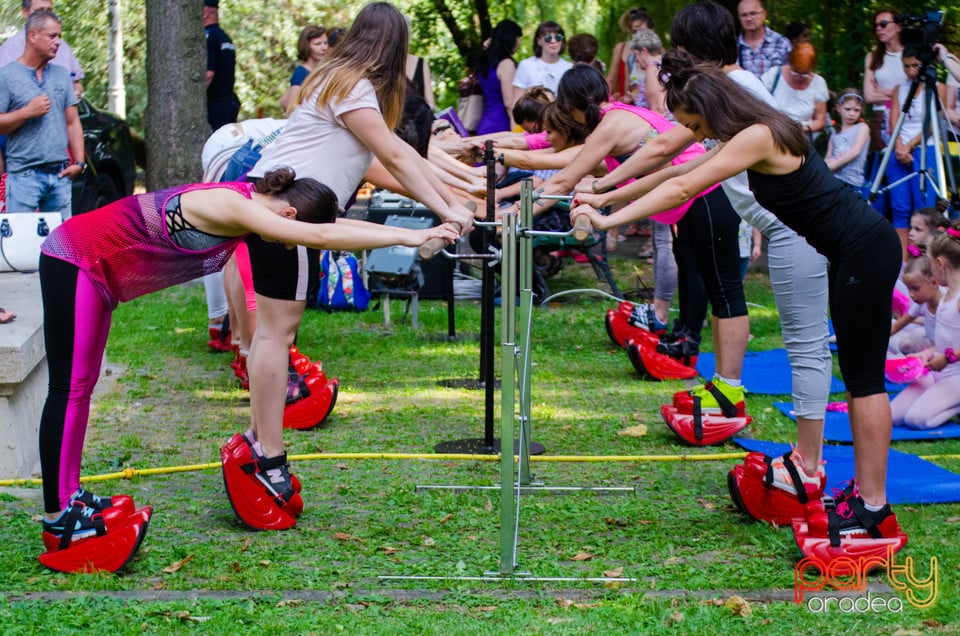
(839, 495)
(274, 474)
(79, 522)
(683, 349)
(851, 518)
(96, 502)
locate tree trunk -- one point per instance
(175, 122)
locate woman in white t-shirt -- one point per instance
(799, 91)
(883, 71)
(344, 116)
(546, 66)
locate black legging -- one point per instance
(861, 286)
(708, 262)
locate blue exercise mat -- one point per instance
(764, 372)
(836, 427)
(909, 478)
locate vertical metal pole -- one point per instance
(525, 249)
(508, 294)
(487, 375)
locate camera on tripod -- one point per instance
(920, 33)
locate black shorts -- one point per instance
(281, 273)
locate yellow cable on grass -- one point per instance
(130, 473)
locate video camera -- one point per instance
(920, 33)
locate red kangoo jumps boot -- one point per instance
(701, 429)
(621, 327)
(261, 501)
(842, 537)
(650, 364)
(318, 397)
(88, 540)
(757, 492)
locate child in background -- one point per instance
(924, 222)
(925, 295)
(847, 149)
(934, 397)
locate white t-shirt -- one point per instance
(317, 144)
(533, 71)
(891, 71)
(799, 105)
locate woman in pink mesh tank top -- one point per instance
(133, 247)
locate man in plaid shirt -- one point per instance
(759, 48)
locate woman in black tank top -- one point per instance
(793, 183)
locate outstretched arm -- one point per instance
(748, 148)
(406, 165)
(643, 185)
(654, 153)
(225, 212)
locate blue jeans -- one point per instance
(906, 197)
(39, 189)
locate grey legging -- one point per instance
(664, 263)
(798, 275)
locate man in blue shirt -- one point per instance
(38, 112)
(223, 106)
(759, 48)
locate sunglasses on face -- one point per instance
(552, 37)
(882, 24)
(800, 76)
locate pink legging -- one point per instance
(75, 330)
(242, 256)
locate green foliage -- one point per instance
(265, 32)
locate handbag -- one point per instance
(470, 103)
(21, 234)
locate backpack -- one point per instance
(341, 284)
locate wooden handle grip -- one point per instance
(582, 228)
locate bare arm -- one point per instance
(288, 97)
(36, 107)
(950, 106)
(819, 120)
(643, 185)
(655, 153)
(406, 165)
(539, 159)
(74, 142)
(748, 148)
(228, 213)
(872, 93)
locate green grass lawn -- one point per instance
(675, 534)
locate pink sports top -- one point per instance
(660, 124)
(126, 249)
